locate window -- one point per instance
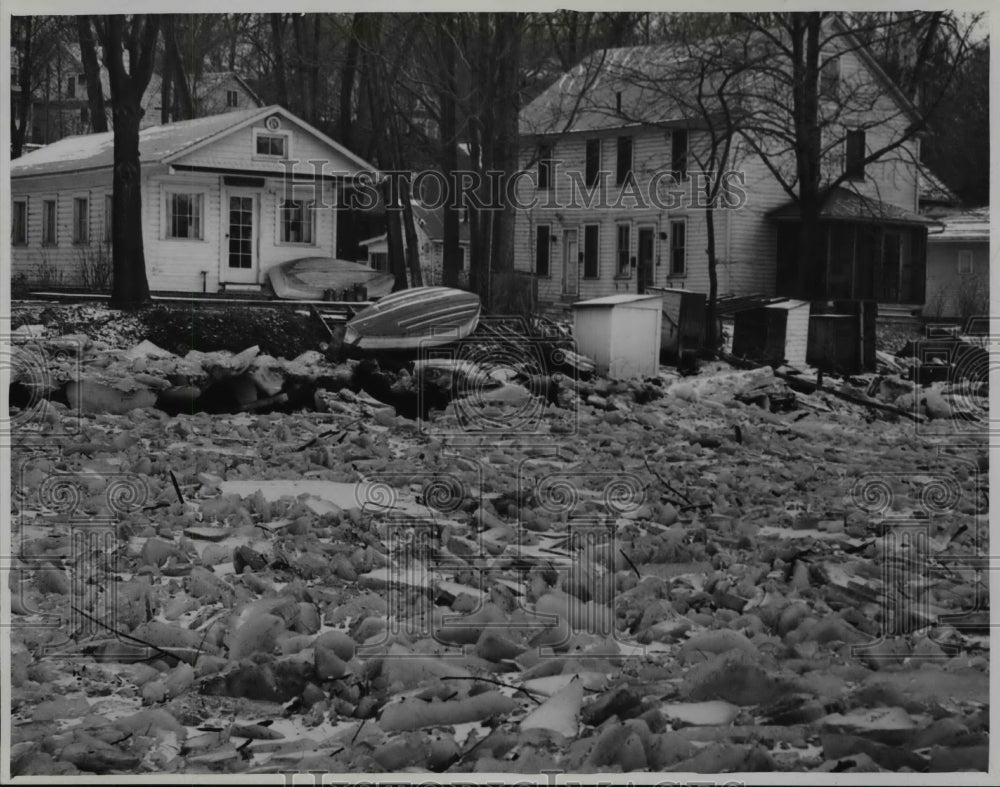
(296, 221)
(679, 153)
(380, 261)
(81, 220)
(624, 249)
(84, 116)
(70, 87)
(109, 212)
(545, 167)
(854, 155)
(232, 98)
(19, 224)
(49, 222)
(542, 241)
(593, 162)
(965, 261)
(678, 248)
(271, 145)
(624, 170)
(184, 216)
(591, 235)
(829, 78)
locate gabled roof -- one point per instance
(585, 98)
(933, 189)
(846, 205)
(206, 84)
(157, 144)
(967, 226)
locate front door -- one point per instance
(240, 251)
(644, 277)
(571, 264)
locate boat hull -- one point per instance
(414, 318)
(310, 278)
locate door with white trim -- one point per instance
(241, 246)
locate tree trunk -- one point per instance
(92, 70)
(412, 242)
(278, 46)
(394, 237)
(129, 283)
(805, 97)
(298, 35)
(347, 77)
(174, 66)
(713, 279)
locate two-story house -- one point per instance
(60, 108)
(614, 202)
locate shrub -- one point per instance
(95, 267)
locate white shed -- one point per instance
(621, 333)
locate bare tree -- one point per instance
(33, 40)
(797, 140)
(137, 36)
(92, 69)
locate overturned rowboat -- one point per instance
(414, 318)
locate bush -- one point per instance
(95, 267)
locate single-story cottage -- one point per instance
(224, 198)
(958, 266)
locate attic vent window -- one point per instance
(618, 102)
(232, 98)
(271, 145)
(829, 78)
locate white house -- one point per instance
(224, 198)
(429, 224)
(613, 197)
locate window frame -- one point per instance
(623, 177)
(81, 239)
(829, 78)
(623, 272)
(169, 192)
(232, 98)
(310, 207)
(596, 253)
(19, 205)
(54, 239)
(854, 158)
(263, 132)
(71, 86)
(546, 153)
(679, 174)
(675, 248)
(966, 256)
(547, 246)
(592, 178)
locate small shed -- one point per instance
(777, 332)
(683, 328)
(621, 333)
